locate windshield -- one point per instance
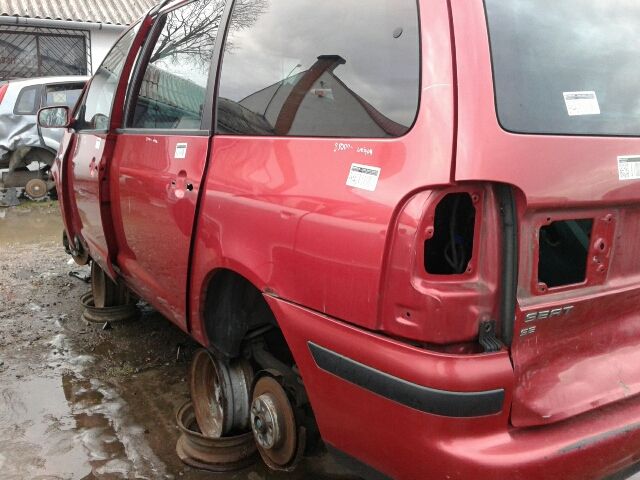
(569, 67)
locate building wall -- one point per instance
(34, 47)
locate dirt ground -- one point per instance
(78, 401)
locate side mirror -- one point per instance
(54, 117)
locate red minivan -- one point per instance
(416, 224)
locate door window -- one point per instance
(63, 95)
(171, 94)
(27, 103)
(334, 68)
(95, 112)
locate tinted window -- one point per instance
(65, 94)
(330, 68)
(568, 67)
(95, 112)
(172, 92)
(27, 103)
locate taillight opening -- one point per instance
(450, 248)
(563, 252)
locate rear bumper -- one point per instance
(410, 413)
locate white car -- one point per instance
(27, 151)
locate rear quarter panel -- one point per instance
(278, 211)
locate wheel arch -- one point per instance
(232, 306)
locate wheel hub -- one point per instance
(36, 189)
(274, 424)
(266, 422)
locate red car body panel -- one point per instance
(155, 197)
(343, 269)
(308, 227)
(86, 159)
(408, 444)
(559, 177)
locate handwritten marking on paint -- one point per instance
(367, 152)
(346, 147)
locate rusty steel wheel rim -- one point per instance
(213, 454)
(106, 314)
(220, 394)
(273, 423)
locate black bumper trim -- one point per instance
(424, 399)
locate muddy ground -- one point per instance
(80, 402)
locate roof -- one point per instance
(115, 12)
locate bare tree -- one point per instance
(192, 30)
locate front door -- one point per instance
(91, 124)
(160, 156)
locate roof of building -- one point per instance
(115, 12)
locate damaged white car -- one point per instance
(27, 151)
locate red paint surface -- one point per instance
(587, 359)
(407, 444)
(278, 212)
(154, 212)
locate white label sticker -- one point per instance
(364, 177)
(629, 167)
(98, 143)
(581, 103)
(181, 150)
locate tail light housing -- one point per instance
(442, 272)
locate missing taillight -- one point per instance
(449, 250)
(564, 246)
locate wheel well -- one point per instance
(239, 322)
(24, 156)
(234, 309)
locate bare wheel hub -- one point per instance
(265, 422)
(274, 424)
(36, 189)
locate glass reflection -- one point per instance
(172, 92)
(566, 67)
(96, 110)
(330, 69)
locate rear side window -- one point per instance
(566, 67)
(28, 101)
(172, 92)
(95, 112)
(330, 69)
(63, 95)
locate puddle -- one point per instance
(62, 425)
(30, 224)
